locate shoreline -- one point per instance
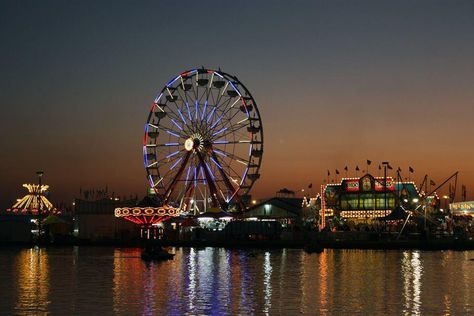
(430, 245)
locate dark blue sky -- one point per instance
(337, 82)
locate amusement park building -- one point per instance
(462, 208)
(367, 197)
(95, 220)
(287, 211)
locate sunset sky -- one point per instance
(336, 82)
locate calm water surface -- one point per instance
(217, 281)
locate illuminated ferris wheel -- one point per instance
(203, 141)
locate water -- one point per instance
(93, 281)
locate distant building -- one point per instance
(462, 208)
(285, 210)
(368, 197)
(95, 220)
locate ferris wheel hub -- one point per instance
(195, 142)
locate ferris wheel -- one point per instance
(203, 141)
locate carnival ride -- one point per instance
(35, 202)
(202, 149)
(203, 142)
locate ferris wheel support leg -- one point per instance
(175, 179)
(212, 185)
(228, 183)
(188, 193)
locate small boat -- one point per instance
(159, 255)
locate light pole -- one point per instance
(385, 165)
(40, 175)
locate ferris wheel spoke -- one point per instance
(223, 105)
(170, 111)
(172, 171)
(170, 157)
(230, 155)
(168, 145)
(237, 98)
(227, 182)
(238, 176)
(186, 102)
(198, 117)
(172, 185)
(233, 157)
(210, 181)
(174, 133)
(226, 109)
(183, 102)
(230, 142)
(172, 119)
(195, 87)
(220, 93)
(231, 130)
(229, 119)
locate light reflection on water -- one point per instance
(219, 281)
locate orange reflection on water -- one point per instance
(33, 281)
(412, 271)
(323, 282)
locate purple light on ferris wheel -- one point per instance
(216, 163)
(203, 176)
(172, 81)
(218, 120)
(173, 154)
(157, 99)
(217, 151)
(182, 117)
(187, 175)
(204, 111)
(210, 115)
(197, 110)
(151, 181)
(219, 131)
(195, 177)
(236, 90)
(210, 171)
(177, 125)
(172, 133)
(189, 111)
(145, 158)
(177, 162)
